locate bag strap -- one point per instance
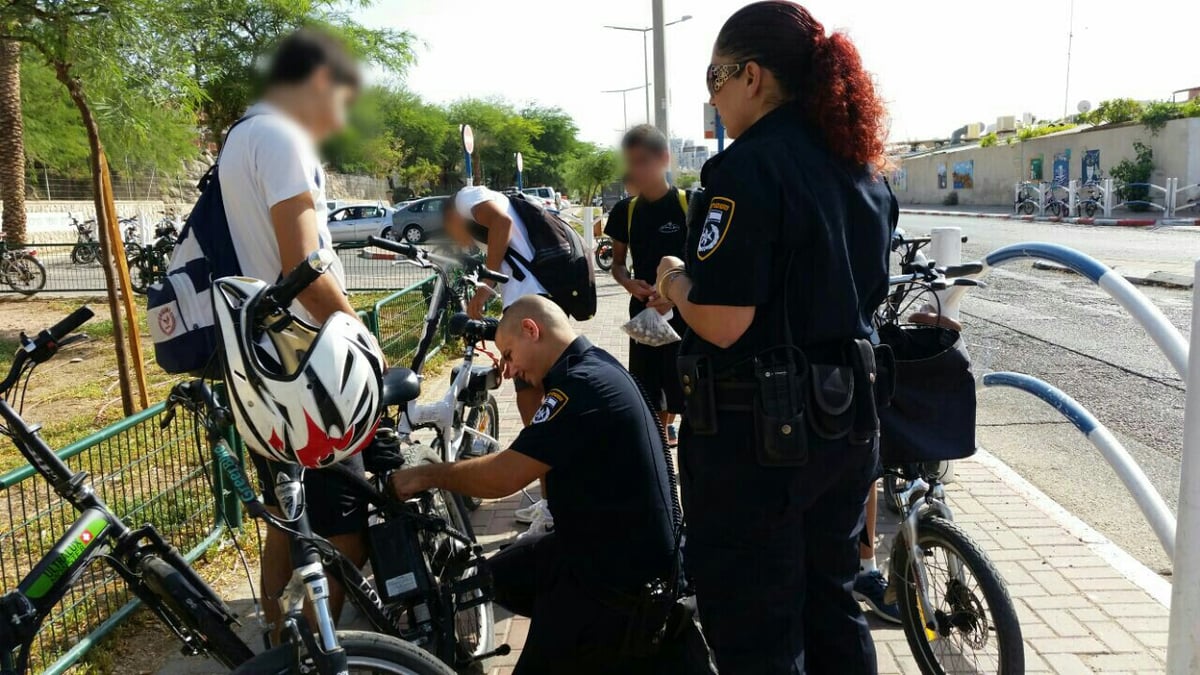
(683, 200)
(629, 219)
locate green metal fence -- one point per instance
(145, 474)
(363, 271)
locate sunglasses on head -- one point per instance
(720, 73)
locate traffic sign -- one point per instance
(710, 121)
(468, 139)
(520, 162)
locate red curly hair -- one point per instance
(823, 74)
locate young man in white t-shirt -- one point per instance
(481, 213)
(273, 188)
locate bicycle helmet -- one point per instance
(320, 411)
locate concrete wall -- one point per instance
(1176, 155)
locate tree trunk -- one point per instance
(12, 143)
(75, 89)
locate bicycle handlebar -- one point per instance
(280, 296)
(44, 346)
(474, 330)
(419, 255)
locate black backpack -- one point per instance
(561, 261)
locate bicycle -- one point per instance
(20, 269)
(87, 249)
(431, 587)
(604, 253)
(131, 236)
(467, 411)
(149, 263)
(152, 569)
(953, 602)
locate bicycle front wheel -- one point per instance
(365, 653)
(978, 627)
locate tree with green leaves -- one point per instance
(592, 169)
(91, 45)
(223, 41)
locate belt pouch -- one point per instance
(831, 409)
(781, 433)
(695, 376)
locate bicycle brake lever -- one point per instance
(169, 416)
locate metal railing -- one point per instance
(145, 474)
(363, 272)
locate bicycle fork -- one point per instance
(934, 498)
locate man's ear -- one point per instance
(530, 328)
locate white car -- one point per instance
(356, 223)
(547, 194)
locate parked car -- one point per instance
(546, 194)
(356, 223)
(417, 221)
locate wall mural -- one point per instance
(941, 171)
(964, 175)
(1062, 168)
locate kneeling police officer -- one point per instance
(605, 572)
(785, 264)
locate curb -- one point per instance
(1119, 222)
(1161, 279)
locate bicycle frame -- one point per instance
(96, 533)
(920, 499)
(445, 415)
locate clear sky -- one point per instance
(939, 64)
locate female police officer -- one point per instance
(786, 260)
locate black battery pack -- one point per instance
(400, 571)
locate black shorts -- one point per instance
(656, 369)
(332, 507)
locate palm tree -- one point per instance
(12, 143)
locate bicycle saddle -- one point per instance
(400, 385)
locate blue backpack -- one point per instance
(180, 310)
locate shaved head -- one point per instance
(532, 335)
(547, 315)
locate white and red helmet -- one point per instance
(320, 411)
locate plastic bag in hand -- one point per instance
(651, 328)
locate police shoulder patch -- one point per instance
(554, 402)
(716, 226)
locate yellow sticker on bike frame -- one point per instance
(716, 226)
(554, 402)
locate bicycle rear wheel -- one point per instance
(195, 609)
(365, 653)
(979, 630)
(24, 274)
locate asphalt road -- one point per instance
(1062, 329)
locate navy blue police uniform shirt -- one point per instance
(607, 483)
(659, 229)
(775, 200)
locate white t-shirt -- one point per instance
(470, 197)
(266, 160)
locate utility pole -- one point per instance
(660, 68)
(1070, 39)
(624, 101)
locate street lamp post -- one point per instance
(624, 106)
(646, 54)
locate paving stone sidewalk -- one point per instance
(1078, 612)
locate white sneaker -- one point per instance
(528, 514)
(542, 524)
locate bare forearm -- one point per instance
(499, 232)
(477, 477)
(324, 297)
(720, 325)
(620, 274)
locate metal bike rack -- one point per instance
(1152, 189)
(1175, 192)
(1128, 470)
(1181, 537)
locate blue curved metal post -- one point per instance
(1148, 499)
(1163, 332)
